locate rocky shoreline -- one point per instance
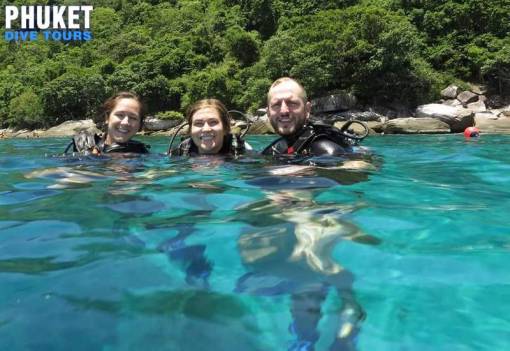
(456, 111)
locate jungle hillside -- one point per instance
(175, 52)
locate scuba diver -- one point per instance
(308, 242)
(122, 117)
(209, 132)
(288, 110)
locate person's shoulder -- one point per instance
(324, 145)
(139, 147)
(132, 146)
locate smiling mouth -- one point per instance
(123, 130)
(207, 137)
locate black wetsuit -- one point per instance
(88, 143)
(232, 145)
(311, 140)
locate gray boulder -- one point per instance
(261, 126)
(492, 126)
(155, 124)
(359, 116)
(457, 118)
(466, 97)
(454, 103)
(450, 92)
(485, 115)
(21, 133)
(335, 102)
(477, 106)
(374, 127)
(70, 128)
(504, 111)
(425, 125)
(478, 89)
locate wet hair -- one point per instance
(109, 105)
(281, 80)
(214, 104)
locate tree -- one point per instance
(243, 46)
(26, 111)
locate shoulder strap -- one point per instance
(238, 146)
(184, 147)
(332, 133)
(304, 139)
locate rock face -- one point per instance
(453, 103)
(332, 103)
(23, 133)
(70, 128)
(504, 112)
(450, 92)
(374, 127)
(425, 125)
(365, 116)
(155, 124)
(466, 97)
(478, 89)
(488, 124)
(261, 126)
(477, 106)
(457, 118)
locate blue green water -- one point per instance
(147, 253)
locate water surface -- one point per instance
(147, 253)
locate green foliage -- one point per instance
(170, 115)
(212, 82)
(75, 94)
(368, 50)
(460, 33)
(260, 15)
(243, 46)
(26, 111)
(175, 52)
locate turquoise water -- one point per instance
(147, 253)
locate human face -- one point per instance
(123, 122)
(207, 130)
(287, 110)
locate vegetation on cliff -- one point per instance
(175, 52)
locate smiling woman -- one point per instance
(122, 115)
(209, 130)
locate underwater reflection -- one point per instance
(289, 251)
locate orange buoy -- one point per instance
(471, 132)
